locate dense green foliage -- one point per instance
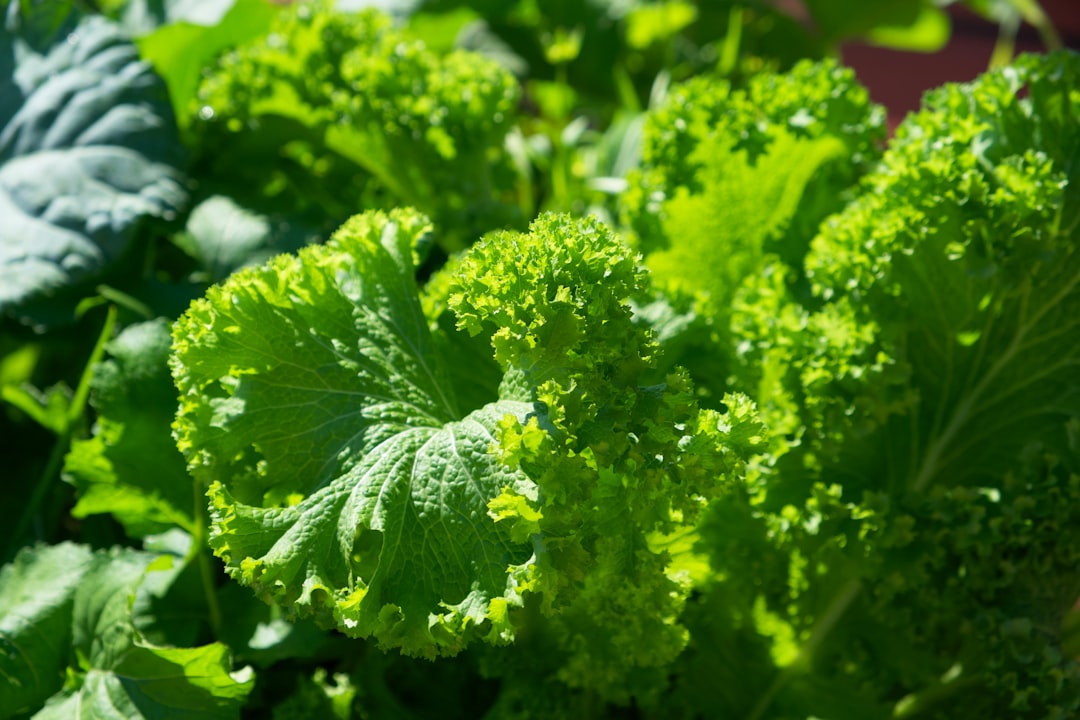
(923, 377)
(532, 360)
(419, 129)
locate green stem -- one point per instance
(72, 419)
(1031, 12)
(729, 49)
(128, 302)
(200, 544)
(1005, 45)
(927, 699)
(824, 626)
(77, 408)
(1034, 15)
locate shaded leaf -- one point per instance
(223, 236)
(36, 600)
(130, 467)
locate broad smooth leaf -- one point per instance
(173, 683)
(121, 676)
(224, 236)
(88, 151)
(36, 598)
(66, 609)
(130, 467)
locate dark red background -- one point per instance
(897, 79)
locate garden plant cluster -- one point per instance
(525, 360)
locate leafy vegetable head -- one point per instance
(344, 481)
(956, 268)
(557, 300)
(731, 177)
(347, 482)
(927, 485)
(707, 130)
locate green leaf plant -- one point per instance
(347, 483)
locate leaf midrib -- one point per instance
(965, 409)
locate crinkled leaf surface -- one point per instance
(474, 373)
(88, 150)
(718, 236)
(731, 177)
(961, 259)
(130, 467)
(933, 389)
(427, 130)
(344, 481)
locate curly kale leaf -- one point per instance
(812, 102)
(616, 463)
(913, 538)
(957, 270)
(333, 89)
(318, 403)
(731, 177)
(344, 481)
